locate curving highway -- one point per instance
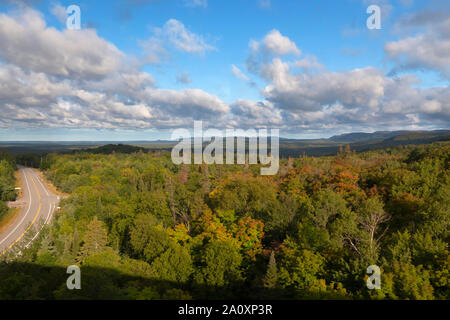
(37, 211)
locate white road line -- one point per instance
(35, 236)
(37, 178)
(23, 218)
(52, 206)
(49, 212)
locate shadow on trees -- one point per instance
(27, 281)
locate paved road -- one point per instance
(37, 211)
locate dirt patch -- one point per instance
(16, 204)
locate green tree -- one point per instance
(3, 209)
(271, 278)
(175, 265)
(95, 239)
(371, 217)
(220, 263)
(148, 237)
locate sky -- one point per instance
(139, 69)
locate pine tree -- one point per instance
(95, 239)
(75, 243)
(170, 187)
(271, 278)
(99, 206)
(47, 245)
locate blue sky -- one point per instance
(353, 78)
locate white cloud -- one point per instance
(429, 50)
(188, 102)
(275, 43)
(154, 51)
(51, 78)
(59, 12)
(309, 64)
(358, 98)
(238, 73)
(421, 19)
(173, 34)
(196, 3)
(183, 39)
(29, 43)
(247, 113)
(311, 92)
(123, 100)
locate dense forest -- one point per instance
(141, 227)
(7, 192)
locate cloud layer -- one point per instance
(429, 50)
(53, 78)
(76, 79)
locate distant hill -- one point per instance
(359, 141)
(364, 137)
(385, 135)
(114, 148)
(419, 136)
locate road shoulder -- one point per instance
(50, 185)
(14, 206)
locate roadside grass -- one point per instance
(50, 185)
(17, 184)
(7, 219)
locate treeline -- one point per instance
(7, 191)
(113, 148)
(141, 227)
(32, 160)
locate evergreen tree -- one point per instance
(75, 243)
(95, 239)
(271, 278)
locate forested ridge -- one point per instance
(141, 227)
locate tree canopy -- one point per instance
(141, 227)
